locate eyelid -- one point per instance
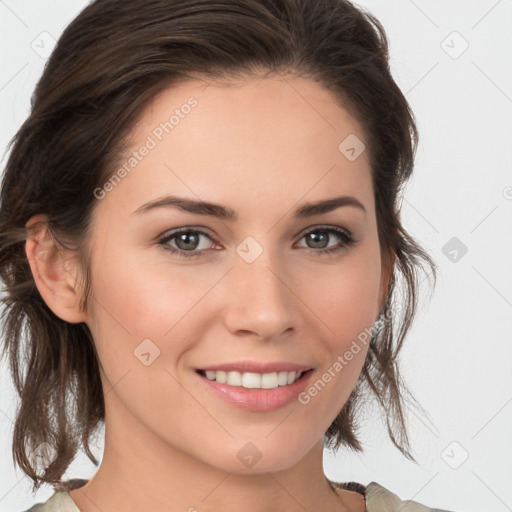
(319, 227)
(168, 235)
(197, 229)
(207, 232)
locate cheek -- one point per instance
(146, 296)
(141, 323)
(139, 299)
(346, 298)
(346, 304)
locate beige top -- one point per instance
(377, 498)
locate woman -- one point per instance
(271, 138)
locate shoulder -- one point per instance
(60, 500)
(380, 499)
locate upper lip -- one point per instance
(257, 367)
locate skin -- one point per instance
(262, 147)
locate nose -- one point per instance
(260, 300)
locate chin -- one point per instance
(254, 457)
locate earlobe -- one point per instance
(53, 271)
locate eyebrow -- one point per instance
(225, 213)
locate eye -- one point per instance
(319, 236)
(187, 242)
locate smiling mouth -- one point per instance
(251, 380)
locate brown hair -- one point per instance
(108, 64)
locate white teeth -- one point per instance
(234, 378)
(252, 380)
(282, 378)
(269, 381)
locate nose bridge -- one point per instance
(260, 301)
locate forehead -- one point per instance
(277, 138)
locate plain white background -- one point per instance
(453, 62)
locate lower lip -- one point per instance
(258, 400)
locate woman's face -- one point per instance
(252, 283)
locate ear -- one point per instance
(388, 265)
(54, 270)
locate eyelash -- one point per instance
(345, 236)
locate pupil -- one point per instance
(184, 237)
(318, 238)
